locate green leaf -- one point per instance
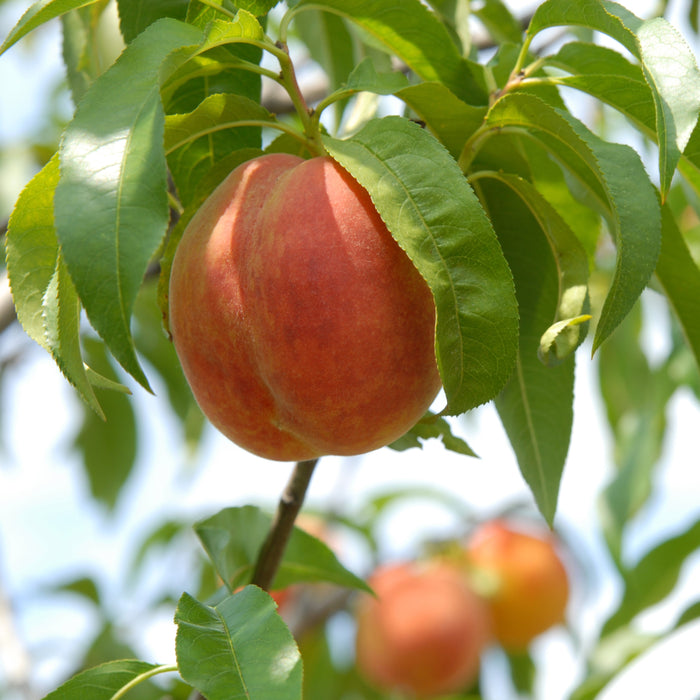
(111, 204)
(40, 13)
(136, 15)
(331, 46)
(615, 177)
(568, 328)
(450, 119)
(536, 406)
(196, 141)
(364, 78)
(233, 537)
(81, 47)
(432, 212)
(667, 62)
(654, 577)
(415, 35)
(680, 277)
(239, 648)
(432, 426)
(44, 296)
(101, 682)
(160, 354)
(499, 22)
(108, 447)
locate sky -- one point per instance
(41, 484)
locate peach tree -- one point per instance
(535, 232)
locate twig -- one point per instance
(290, 503)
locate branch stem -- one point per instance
(290, 503)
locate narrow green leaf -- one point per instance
(499, 22)
(100, 682)
(32, 250)
(39, 13)
(615, 176)
(111, 204)
(44, 296)
(239, 648)
(136, 15)
(536, 406)
(432, 426)
(430, 209)
(331, 46)
(415, 35)
(568, 328)
(108, 447)
(654, 577)
(635, 398)
(233, 537)
(667, 62)
(450, 119)
(364, 78)
(680, 278)
(82, 53)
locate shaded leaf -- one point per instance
(233, 537)
(615, 176)
(364, 78)
(569, 325)
(100, 682)
(449, 118)
(136, 15)
(39, 13)
(432, 426)
(432, 212)
(499, 22)
(536, 406)
(108, 447)
(680, 278)
(198, 140)
(416, 36)
(654, 577)
(237, 648)
(331, 46)
(81, 50)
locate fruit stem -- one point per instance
(288, 79)
(272, 550)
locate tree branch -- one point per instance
(290, 503)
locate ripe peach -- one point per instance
(531, 584)
(302, 327)
(424, 632)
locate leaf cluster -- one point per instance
(528, 225)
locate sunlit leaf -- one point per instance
(44, 296)
(239, 648)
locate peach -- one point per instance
(531, 586)
(424, 632)
(302, 327)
